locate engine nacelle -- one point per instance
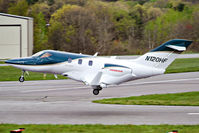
(116, 75)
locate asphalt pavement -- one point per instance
(70, 102)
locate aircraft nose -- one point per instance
(14, 61)
(22, 61)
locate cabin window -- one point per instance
(90, 63)
(80, 61)
(69, 60)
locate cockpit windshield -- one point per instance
(38, 54)
(42, 54)
(45, 55)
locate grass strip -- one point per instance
(5, 128)
(8, 73)
(184, 65)
(176, 99)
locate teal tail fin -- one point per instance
(162, 56)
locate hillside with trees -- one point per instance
(108, 26)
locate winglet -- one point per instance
(95, 54)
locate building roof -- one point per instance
(15, 16)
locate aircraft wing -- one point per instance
(89, 77)
(96, 79)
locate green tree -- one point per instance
(73, 24)
(123, 22)
(19, 8)
(40, 33)
(32, 1)
(84, 30)
(35, 9)
(4, 5)
(139, 13)
(160, 29)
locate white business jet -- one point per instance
(99, 72)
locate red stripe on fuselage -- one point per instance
(114, 70)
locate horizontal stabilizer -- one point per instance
(173, 45)
(178, 48)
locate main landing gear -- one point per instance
(21, 78)
(97, 90)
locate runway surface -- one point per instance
(69, 102)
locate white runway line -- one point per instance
(193, 113)
(54, 89)
(165, 81)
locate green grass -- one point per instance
(8, 73)
(184, 65)
(5, 128)
(177, 99)
(2, 62)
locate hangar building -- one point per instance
(16, 36)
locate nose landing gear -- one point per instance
(96, 90)
(21, 78)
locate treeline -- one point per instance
(108, 26)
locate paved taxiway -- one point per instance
(69, 102)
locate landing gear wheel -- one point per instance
(21, 79)
(96, 91)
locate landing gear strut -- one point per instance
(97, 90)
(21, 78)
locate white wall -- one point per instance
(9, 41)
(16, 36)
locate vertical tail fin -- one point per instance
(162, 56)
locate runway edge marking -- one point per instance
(165, 81)
(193, 113)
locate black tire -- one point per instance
(21, 79)
(95, 91)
